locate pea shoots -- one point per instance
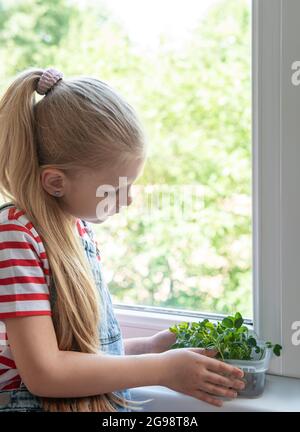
(229, 337)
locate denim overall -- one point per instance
(109, 332)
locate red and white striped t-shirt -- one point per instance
(24, 280)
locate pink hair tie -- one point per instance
(48, 80)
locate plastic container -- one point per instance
(254, 370)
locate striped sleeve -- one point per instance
(23, 283)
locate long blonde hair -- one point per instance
(80, 122)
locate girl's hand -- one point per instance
(161, 341)
(188, 371)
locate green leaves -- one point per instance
(238, 320)
(230, 337)
(251, 342)
(227, 322)
(231, 321)
(276, 348)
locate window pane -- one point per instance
(192, 88)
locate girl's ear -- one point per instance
(54, 181)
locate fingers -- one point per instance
(203, 351)
(210, 353)
(221, 367)
(218, 390)
(202, 395)
(218, 365)
(223, 381)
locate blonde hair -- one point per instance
(81, 122)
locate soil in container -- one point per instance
(255, 383)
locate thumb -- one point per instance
(209, 352)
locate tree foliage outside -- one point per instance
(195, 104)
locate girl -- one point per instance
(61, 346)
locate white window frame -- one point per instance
(275, 176)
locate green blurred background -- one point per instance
(194, 99)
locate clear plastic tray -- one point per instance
(255, 371)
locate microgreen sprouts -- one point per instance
(229, 337)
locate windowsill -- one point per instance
(280, 394)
